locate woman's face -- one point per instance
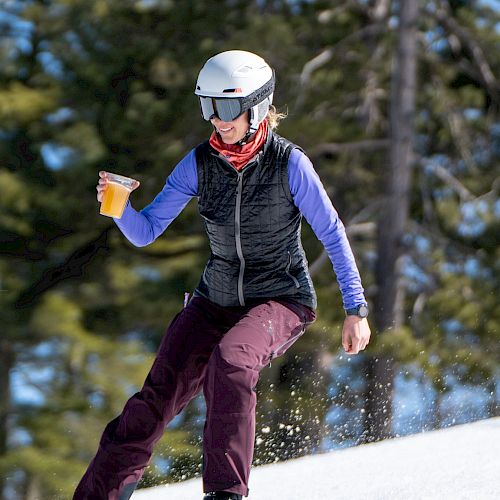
(232, 132)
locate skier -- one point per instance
(255, 297)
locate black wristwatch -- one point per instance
(361, 311)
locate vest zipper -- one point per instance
(237, 234)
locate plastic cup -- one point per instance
(116, 195)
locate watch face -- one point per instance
(363, 311)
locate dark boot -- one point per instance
(222, 495)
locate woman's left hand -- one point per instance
(355, 334)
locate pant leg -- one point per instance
(175, 378)
(264, 332)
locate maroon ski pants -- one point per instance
(221, 350)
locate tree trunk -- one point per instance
(392, 224)
(33, 489)
(6, 362)
(493, 406)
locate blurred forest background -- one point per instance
(398, 105)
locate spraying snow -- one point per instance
(457, 463)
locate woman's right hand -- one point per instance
(103, 184)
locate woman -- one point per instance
(255, 297)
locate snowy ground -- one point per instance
(457, 463)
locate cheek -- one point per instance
(242, 118)
(243, 123)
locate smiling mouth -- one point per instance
(225, 129)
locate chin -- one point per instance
(229, 141)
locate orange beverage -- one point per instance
(116, 195)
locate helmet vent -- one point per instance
(243, 71)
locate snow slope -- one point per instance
(457, 463)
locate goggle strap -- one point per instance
(246, 103)
(258, 95)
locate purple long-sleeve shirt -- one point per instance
(309, 195)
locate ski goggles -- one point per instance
(228, 109)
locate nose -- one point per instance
(217, 121)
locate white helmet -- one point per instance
(233, 82)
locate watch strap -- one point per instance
(360, 310)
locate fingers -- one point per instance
(363, 343)
(366, 333)
(354, 347)
(101, 185)
(362, 347)
(360, 343)
(355, 335)
(345, 340)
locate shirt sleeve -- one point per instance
(143, 227)
(311, 199)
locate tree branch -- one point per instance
(327, 54)
(452, 181)
(444, 16)
(73, 267)
(442, 238)
(166, 254)
(333, 148)
(364, 228)
(315, 267)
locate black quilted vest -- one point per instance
(253, 227)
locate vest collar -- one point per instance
(256, 159)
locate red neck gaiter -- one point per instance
(239, 156)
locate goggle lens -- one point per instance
(226, 110)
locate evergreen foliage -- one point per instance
(89, 85)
